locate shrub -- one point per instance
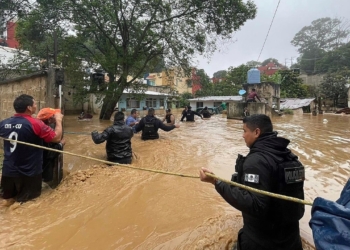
(288, 112)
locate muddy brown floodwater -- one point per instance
(99, 207)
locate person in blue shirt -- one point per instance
(132, 119)
(22, 166)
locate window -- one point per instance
(132, 103)
(217, 104)
(199, 104)
(161, 102)
(151, 102)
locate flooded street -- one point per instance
(100, 207)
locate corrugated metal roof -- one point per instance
(217, 98)
(295, 103)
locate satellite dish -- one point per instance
(242, 92)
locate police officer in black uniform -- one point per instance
(269, 223)
(150, 125)
(118, 137)
(205, 112)
(189, 115)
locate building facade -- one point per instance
(175, 79)
(212, 101)
(8, 32)
(270, 69)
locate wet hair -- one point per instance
(263, 122)
(253, 89)
(22, 102)
(119, 116)
(133, 111)
(168, 110)
(151, 111)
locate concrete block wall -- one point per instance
(34, 85)
(235, 109)
(257, 108)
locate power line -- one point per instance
(309, 59)
(269, 29)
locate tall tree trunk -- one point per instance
(109, 103)
(115, 91)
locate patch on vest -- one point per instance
(254, 178)
(294, 175)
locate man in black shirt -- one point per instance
(118, 137)
(189, 115)
(269, 223)
(150, 125)
(205, 112)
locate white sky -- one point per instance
(292, 16)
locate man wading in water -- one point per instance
(269, 223)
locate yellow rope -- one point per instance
(103, 161)
(279, 196)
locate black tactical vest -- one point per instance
(289, 175)
(150, 131)
(167, 118)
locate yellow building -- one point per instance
(173, 78)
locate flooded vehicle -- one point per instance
(103, 207)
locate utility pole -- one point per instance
(291, 61)
(55, 47)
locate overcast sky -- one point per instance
(291, 17)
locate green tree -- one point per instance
(313, 41)
(308, 60)
(274, 60)
(334, 87)
(276, 78)
(237, 76)
(208, 88)
(220, 74)
(125, 38)
(323, 33)
(224, 89)
(183, 99)
(335, 60)
(253, 63)
(291, 85)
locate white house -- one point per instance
(7, 54)
(152, 99)
(212, 101)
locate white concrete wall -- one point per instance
(209, 104)
(7, 54)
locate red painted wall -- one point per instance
(196, 82)
(11, 35)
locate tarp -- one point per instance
(295, 103)
(330, 222)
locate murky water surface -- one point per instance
(99, 207)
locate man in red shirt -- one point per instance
(22, 167)
(252, 95)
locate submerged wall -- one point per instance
(235, 110)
